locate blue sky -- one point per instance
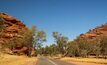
(69, 17)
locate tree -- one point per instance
(27, 37)
(72, 49)
(53, 49)
(39, 38)
(61, 42)
(47, 50)
(80, 47)
(103, 46)
(96, 46)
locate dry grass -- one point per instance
(16, 60)
(90, 60)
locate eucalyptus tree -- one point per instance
(103, 46)
(61, 42)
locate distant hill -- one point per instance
(96, 32)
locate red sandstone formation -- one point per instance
(97, 32)
(11, 28)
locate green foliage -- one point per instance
(39, 38)
(10, 43)
(49, 50)
(80, 47)
(53, 49)
(83, 47)
(32, 37)
(103, 46)
(26, 39)
(61, 42)
(73, 49)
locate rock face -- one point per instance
(11, 27)
(97, 32)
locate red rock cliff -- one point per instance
(97, 32)
(11, 27)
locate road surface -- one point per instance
(46, 61)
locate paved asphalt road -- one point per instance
(46, 61)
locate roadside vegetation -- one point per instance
(22, 49)
(80, 47)
(27, 40)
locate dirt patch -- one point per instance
(17, 60)
(85, 61)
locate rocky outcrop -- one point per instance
(11, 26)
(97, 32)
(10, 30)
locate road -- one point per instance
(46, 61)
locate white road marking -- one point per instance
(52, 62)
